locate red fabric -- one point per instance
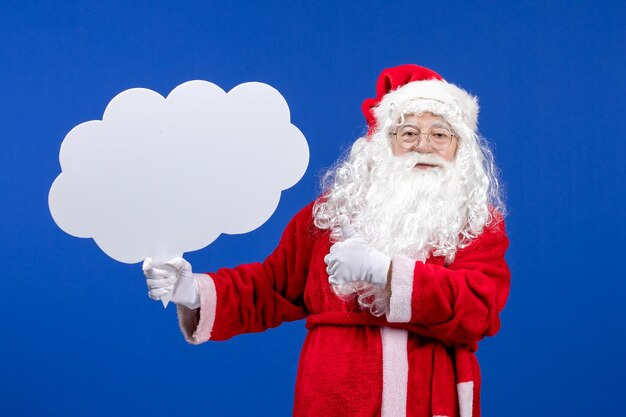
(340, 369)
(391, 79)
(460, 303)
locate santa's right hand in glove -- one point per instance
(174, 276)
(354, 260)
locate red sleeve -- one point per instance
(253, 297)
(458, 303)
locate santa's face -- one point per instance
(420, 200)
(418, 128)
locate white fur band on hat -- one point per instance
(437, 96)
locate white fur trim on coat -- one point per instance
(402, 270)
(395, 372)
(465, 391)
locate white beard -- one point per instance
(410, 211)
(407, 211)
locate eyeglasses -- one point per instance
(409, 137)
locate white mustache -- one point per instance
(414, 158)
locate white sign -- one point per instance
(157, 177)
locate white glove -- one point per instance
(175, 277)
(354, 260)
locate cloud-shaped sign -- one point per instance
(157, 177)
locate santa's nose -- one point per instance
(422, 145)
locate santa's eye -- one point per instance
(409, 133)
(440, 134)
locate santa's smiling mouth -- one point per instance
(426, 166)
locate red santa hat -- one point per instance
(413, 89)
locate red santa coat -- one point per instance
(417, 361)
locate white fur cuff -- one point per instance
(197, 324)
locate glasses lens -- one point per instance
(407, 136)
(440, 138)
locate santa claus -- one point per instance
(398, 268)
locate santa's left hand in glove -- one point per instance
(354, 260)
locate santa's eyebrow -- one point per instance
(434, 125)
(440, 124)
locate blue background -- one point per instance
(79, 334)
